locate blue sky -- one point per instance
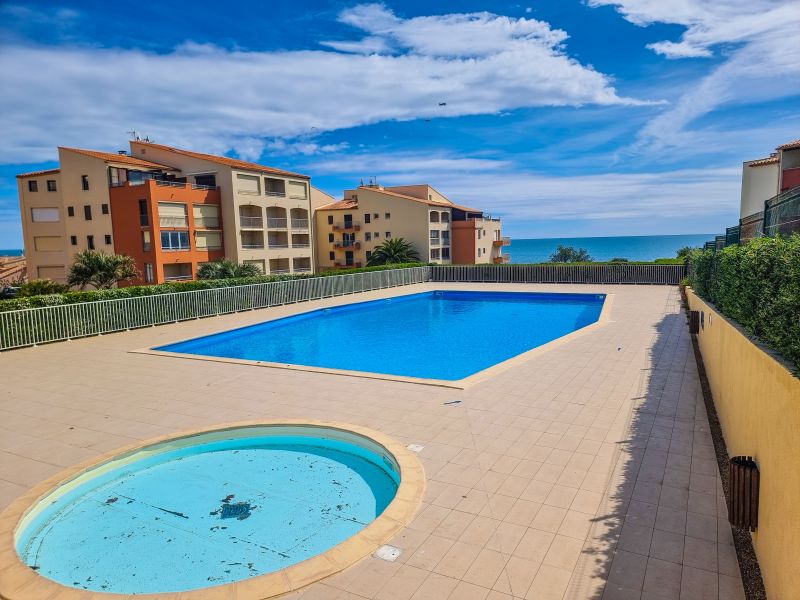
(566, 118)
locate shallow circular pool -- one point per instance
(208, 509)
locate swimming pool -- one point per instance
(447, 335)
(209, 509)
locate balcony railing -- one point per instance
(501, 242)
(301, 245)
(173, 221)
(445, 241)
(210, 223)
(353, 265)
(278, 245)
(347, 226)
(502, 259)
(347, 245)
(299, 223)
(434, 241)
(275, 194)
(253, 245)
(276, 223)
(278, 271)
(302, 269)
(251, 222)
(180, 184)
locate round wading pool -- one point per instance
(221, 506)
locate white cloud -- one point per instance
(526, 196)
(762, 61)
(215, 99)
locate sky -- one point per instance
(563, 117)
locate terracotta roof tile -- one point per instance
(770, 160)
(345, 204)
(35, 173)
(420, 200)
(790, 145)
(120, 158)
(224, 160)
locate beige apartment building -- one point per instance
(348, 231)
(171, 209)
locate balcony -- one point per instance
(502, 259)
(253, 245)
(299, 223)
(501, 242)
(278, 245)
(435, 241)
(276, 223)
(251, 222)
(347, 245)
(173, 222)
(347, 226)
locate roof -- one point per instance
(790, 145)
(770, 160)
(35, 173)
(346, 204)
(115, 157)
(420, 200)
(224, 160)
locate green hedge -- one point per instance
(757, 285)
(171, 288)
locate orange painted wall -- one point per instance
(128, 232)
(462, 243)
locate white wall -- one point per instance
(758, 184)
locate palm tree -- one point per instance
(101, 270)
(227, 269)
(392, 252)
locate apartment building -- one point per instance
(348, 231)
(763, 181)
(170, 209)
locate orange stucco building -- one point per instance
(168, 227)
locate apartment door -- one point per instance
(348, 258)
(348, 239)
(348, 221)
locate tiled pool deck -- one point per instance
(584, 472)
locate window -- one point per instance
(446, 253)
(172, 214)
(434, 252)
(369, 254)
(376, 215)
(387, 215)
(54, 272)
(108, 240)
(209, 180)
(205, 215)
(367, 218)
(51, 185)
(48, 243)
(248, 184)
(87, 212)
(434, 237)
(33, 185)
(104, 209)
(147, 244)
(367, 236)
(73, 239)
(208, 240)
(44, 215)
(479, 252)
(143, 218)
(174, 240)
(330, 237)
(117, 176)
(70, 211)
(148, 272)
(297, 189)
(377, 234)
(332, 255)
(330, 219)
(388, 235)
(434, 217)
(445, 237)
(90, 242)
(84, 182)
(445, 217)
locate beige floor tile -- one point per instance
(457, 560)
(563, 552)
(550, 583)
(486, 568)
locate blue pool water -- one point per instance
(434, 335)
(209, 513)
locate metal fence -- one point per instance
(53, 323)
(630, 274)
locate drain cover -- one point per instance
(239, 510)
(388, 552)
(415, 447)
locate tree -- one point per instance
(568, 254)
(685, 252)
(619, 260)
(101, 270)
(227, 269)
(392, 252)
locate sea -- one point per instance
(634, 248)
(11, 252)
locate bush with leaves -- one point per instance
(39, 287)
(757, 285)
(227, 269)
(568, 254)
(101, 270)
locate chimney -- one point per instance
(122, 152)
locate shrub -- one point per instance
(101, 270)
(38, 287)
(757, 285)
(568, 254)
(227, 269)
